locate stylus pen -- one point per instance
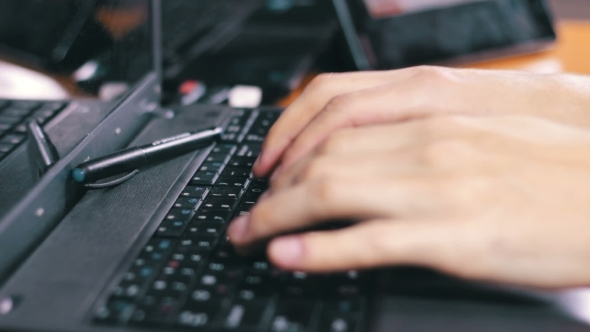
(133, 158)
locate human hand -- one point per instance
(500, 199)
(334, 101)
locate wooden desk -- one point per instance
(571, 54)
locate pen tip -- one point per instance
(78, 175)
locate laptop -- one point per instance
(151, 255)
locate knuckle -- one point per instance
(324, 190)
(337, 142)
(321, 81)
(338, 104)
(443, 152)
(314, 169)
(432, 72)
(260, 216)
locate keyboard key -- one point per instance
(252, 198)
(216, 157)
(192, 262)
(204, 178)
(341, 316)
(186, 203)
(247, 162)
(255, 138)
(20, 129)
(345, 307)
(293, 316)
(205, 228)
(172, 227)
(197, 242)
(194, 192)
(227, 255)
(260, 266)
(207, 215)
(198, 315)
(219, 203)
(229, 137)
(245, 314)
(259, 184)
(43, 116)
(128, 288)
(211, 167)
(25, 105)
(153, 311)
(236, 171)
(53, 106)
(5, 148)
(225, 192)
(258, 286)
(179, 214)
(207, 291)
(224, 148)
(116, 310)
(245, 207)
(249, 151)
(12, 139)
(15, 112)
(9, 121)
(4, 103)
(226, 181)
(338, 324)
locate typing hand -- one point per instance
(502, 199)
(334, 101)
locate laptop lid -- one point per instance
(136, 57)
(386, 34)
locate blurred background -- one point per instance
(271, 48)
(571, 9)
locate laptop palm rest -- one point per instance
(59, 283)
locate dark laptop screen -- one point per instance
(400, 33)
(89, 44)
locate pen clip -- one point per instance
(42, 153)
(113, 183)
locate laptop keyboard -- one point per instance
(188, 276)
(13, 117)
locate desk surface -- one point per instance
(570, 54)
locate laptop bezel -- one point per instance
(25, 226)
(364, 61)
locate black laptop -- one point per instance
(151, 254)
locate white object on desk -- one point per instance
(245, 96)
(21, 83)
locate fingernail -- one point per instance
(238, 228)
(288, 250)
(257, 162)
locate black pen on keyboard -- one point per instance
(131, 159)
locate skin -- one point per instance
(336, 101)
(494, 197)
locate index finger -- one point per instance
(314, 98)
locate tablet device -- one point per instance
(385, 34)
